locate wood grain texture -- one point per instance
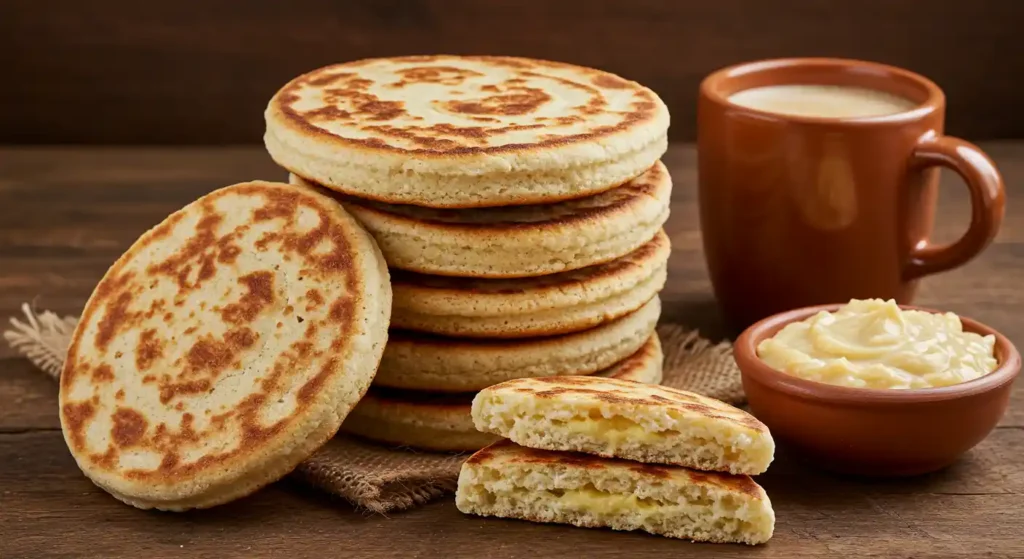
(120, 71)
(66, 214)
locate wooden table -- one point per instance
(66, 214)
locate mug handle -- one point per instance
(988, 202)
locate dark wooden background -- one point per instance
(200, 72)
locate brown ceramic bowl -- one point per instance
(874, 432)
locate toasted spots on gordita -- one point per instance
(108, 459)
(129, 427)
(161, 231)
(481, 456)
(312, 386)
(149, 349)
(595, 390)
(211, 356)
(443, 75)
(111, 285)
(75, 416)
(314, 299)
(184, 357)
(514, 100)
(115, 317)
(259, 294)
(102, 373)
(197, 254)
(609, 81)
(172, 389)
(363, 104)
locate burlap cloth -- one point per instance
(381, 479)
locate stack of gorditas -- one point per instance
(519, 205)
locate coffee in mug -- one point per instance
(818, 183)
(829, 101)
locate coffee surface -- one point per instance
(827, 101)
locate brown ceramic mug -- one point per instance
(803, 210)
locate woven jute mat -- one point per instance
(381, 479)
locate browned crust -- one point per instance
(640, 360)
(521, 199)
(372, 109)
(403, 398)
(510, 452)
(627, 394)
(649, 184)
(485, 344)
(460, 287)
(209, 358)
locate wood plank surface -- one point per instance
(202, 71)
(66, 214)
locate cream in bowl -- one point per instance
(868, 431)
(875, 344)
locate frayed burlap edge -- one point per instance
(377, 478)
(43, 338)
